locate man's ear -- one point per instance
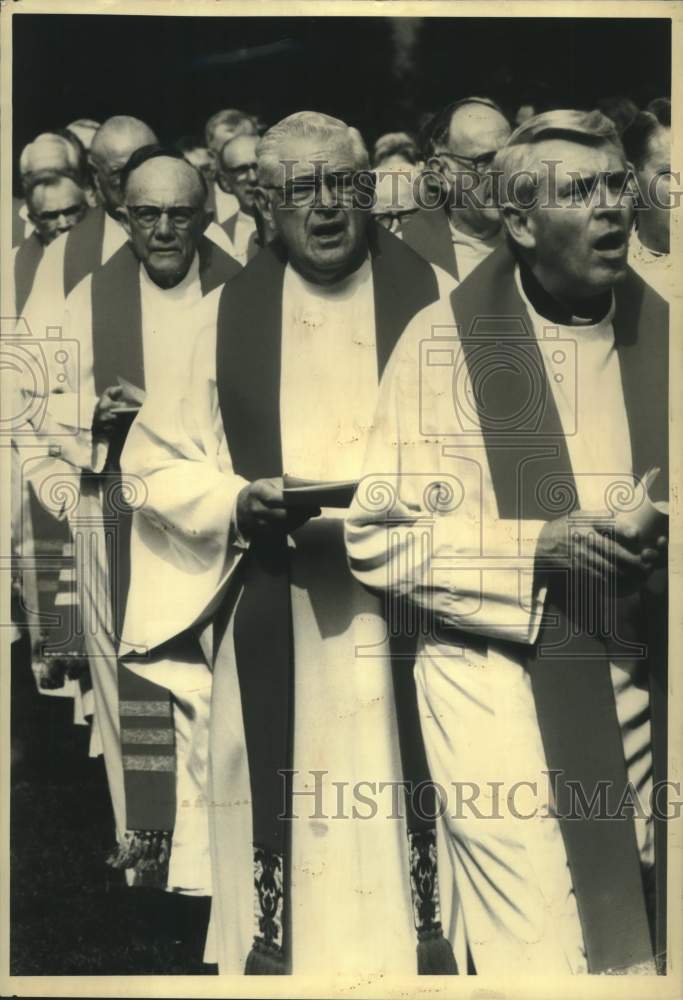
(214, 164)
(124, 219)
(520, 226)
(206, 218)
(263, 205)
(223, 180)
(92, 169)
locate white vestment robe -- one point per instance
(476, 704)
(351, 906)
(226, 204)
(657, 269)
(170, 320)
(45, 305)
(245, 226)
(469, 250)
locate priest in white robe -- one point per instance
(237, 174)
(538, 388)
(301, 334)
(78, 253)
(101, 233)
(647, 142)
(456, 227)
(138, 317)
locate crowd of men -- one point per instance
(357, 509)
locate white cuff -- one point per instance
(486, 581)
(235, 537)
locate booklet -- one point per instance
(315, 493)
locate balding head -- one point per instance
(85, 129)
(477, 126)
(164, 177)
(114, 143)
(164, 199)
(461, 144)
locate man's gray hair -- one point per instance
(519, 154)
(305, 125)
(46, 179)
(239, 121)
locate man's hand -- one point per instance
(110, 404)
(585, 543)
(261, 510)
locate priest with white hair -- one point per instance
(134, 321)
(304, 712)
(96, 239)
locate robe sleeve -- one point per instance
(424, 522)
(176, 462)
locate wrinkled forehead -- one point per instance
(53, 197)
(164, 182)
(560, 161)
(306, 155)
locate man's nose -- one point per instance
(63, 223)
(163, 227)
(326, 198)
(611, 200)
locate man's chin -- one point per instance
(166, 273)
(609, 274)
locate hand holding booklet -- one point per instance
(132, 397)
(317, 493)
(132, 394)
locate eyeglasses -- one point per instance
(149, 216)
(393, 220)
(478, 164)
(304, 191)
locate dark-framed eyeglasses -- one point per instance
(149, 216)
(307, 190)
(477, 164)
(393, 221)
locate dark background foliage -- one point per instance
(379, 74)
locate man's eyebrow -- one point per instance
(50, 212)
(576, 179)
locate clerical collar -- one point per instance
(638, 248)
(547, 306)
